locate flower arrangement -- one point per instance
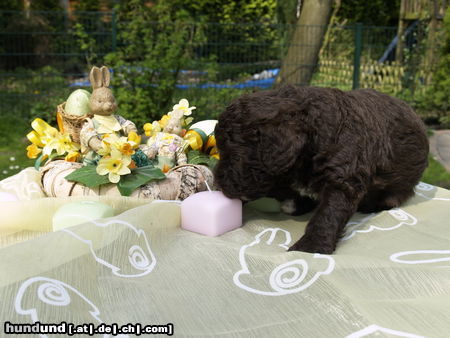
(50, 144)
(125, 160)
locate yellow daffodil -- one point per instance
(114, 166)
(183, 106)
(33, 151)
(49, 139)
(125, 145)
(61, 143)
(73, 156)
(135, 138)
(127, 149)
(164, 120)
(42, 132)
(152, 128)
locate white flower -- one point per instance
(12, 158)
(183, 106)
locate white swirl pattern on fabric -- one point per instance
(55, 293)
(400, 215)
(140, 258)
(433, 256)
(374, 329)
(286, 278)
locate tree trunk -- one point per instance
(301, 59)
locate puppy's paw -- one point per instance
(308, 244)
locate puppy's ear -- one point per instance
(279, 148)
(281, 139)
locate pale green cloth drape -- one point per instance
(390, 275)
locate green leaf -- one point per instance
(137, 178)
(38, 162)
(197, 157)
(212, 162)
(88, 176)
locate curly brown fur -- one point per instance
(342, 151)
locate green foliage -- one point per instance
(86, 43)
(210, 102)
(13, 129)
(158, 43)
(436, 100)
(229, 11)
(35, 5)
(33, 93)
(371, 13)
(436, 174)
(88, 176)
(93, 5)
(138, 177)
(196, 157)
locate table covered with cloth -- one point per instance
(390, 274)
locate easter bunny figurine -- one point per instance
(168, 146)
(103, 105)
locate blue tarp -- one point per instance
(262, 80)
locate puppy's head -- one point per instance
(259, 137)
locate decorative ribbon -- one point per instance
(198, 140)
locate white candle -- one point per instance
(211, 213)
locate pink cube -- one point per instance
(211, 213)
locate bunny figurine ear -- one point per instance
(96, 77)
(106, 76)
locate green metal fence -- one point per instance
(45, 55)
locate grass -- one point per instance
(13, 145)
(436, 174)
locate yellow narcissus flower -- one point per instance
(114, 166)
(127, 149)
(73, 156)
(49, 138)
(62, 143)
(164, 120)
(183, 106)
(125, 145)
(135, 138)
(152, 128)
(33, 151)
(42, 132)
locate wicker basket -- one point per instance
(70, 124)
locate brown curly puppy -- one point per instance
(321, 147)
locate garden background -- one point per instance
(211, 51)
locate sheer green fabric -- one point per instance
(390, 275)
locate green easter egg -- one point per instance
(265, 204)
(78, 103)
(80, 212)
